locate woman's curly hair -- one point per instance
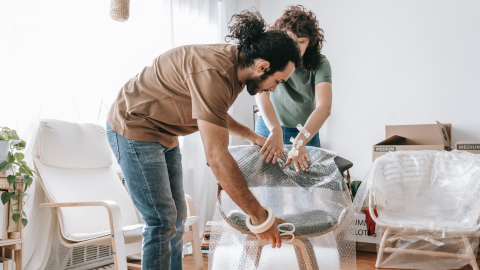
(303, 23)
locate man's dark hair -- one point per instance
(274, 46)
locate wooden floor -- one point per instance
(365, 261)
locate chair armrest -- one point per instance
(190, 206)
(116, 227)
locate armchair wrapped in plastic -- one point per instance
(428, 206)
(317, 202)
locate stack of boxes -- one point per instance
(206, 239)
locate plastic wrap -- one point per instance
(428, 205)
(315, 201)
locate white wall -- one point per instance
(396, 62)
(242, 109)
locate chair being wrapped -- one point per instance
(428, 205)
(316, 202)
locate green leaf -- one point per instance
(6, 197)
(355, 187)
(16, 217)
(15, 142)
(5, 166)
(18, 174)
(5, 128)
(22, 170)
(21, 145)
(23, 213)
(23, 163)
(15, 185)
(24, 194)
(19, 156)
(15, 197)
(24, 222)
(10, 158)
(28, 181)
(11, 179)
(14, 135)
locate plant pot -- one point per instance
(4, 148)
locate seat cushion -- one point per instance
(306, 223)
(69, 145)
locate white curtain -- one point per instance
(198, 22)
(67, 60)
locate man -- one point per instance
(189, 89)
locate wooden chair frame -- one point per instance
(393, 232)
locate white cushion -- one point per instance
(84, 185)
(73, 145)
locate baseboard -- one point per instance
(366, 247)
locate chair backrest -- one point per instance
(427, 187)
(74, 162)
(320, 189)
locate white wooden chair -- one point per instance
(413, 190)
(74, 162)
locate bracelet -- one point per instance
(265, 225)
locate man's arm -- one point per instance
(215, 141)
(244, 133)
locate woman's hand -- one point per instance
(300, 161)
(257, 140)
(273, 147)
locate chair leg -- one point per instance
(469, 251)
(305, 256)
(300, 260)
(196, 250)
(133, 266)
(253, 248)
(381, 250)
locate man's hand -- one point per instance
(300, 161)
(272, 234)
(273, 147)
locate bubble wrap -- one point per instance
(315, 201)
(428, 205)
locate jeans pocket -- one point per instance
(113, 141)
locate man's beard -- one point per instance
(253, 84)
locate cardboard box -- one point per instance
(469, 146)
(414, 137)
(364, 242)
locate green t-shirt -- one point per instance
(294, 100)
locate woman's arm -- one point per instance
(323, 100)
(273, 148)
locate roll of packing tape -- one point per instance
(265, 225)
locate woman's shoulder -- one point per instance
(324, 63)
(323, 72)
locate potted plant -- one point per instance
(4, 147)
(19, 175)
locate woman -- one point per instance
(305, 98)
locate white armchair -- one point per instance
(76, 171)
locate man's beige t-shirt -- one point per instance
(182, 85)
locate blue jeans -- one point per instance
(153, 174)
(262, 130)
